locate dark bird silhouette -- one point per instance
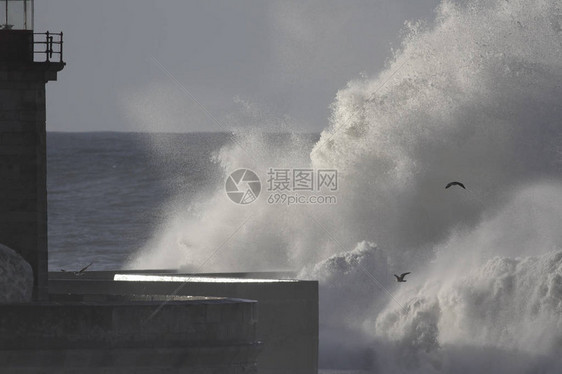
(401, 277)
(455, 184)
(81, 271)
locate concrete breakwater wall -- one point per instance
(288, 308)
(195, 335)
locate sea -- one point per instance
(107, 190)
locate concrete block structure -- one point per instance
(136, 334)
(23, 191)
(288, 308)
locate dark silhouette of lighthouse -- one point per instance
(28, 61)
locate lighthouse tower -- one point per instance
(28, 60)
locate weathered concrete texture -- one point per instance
(288, 310)
(17, 45)
(189, 335)
(23, 162)
(16, 277)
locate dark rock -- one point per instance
(16, 277)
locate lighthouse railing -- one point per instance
(49, 45)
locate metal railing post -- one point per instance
(47, 46)
(50, 47)
(61, 41)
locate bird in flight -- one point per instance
(81, 271)
(401, 277)
(455, 184)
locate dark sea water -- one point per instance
(106, 191)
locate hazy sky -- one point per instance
(133, 64)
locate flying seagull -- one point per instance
(401, 277)
(455, 184)
(81, 271)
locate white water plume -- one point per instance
(474, 97)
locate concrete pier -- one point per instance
(288, 308)
(184, 335)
